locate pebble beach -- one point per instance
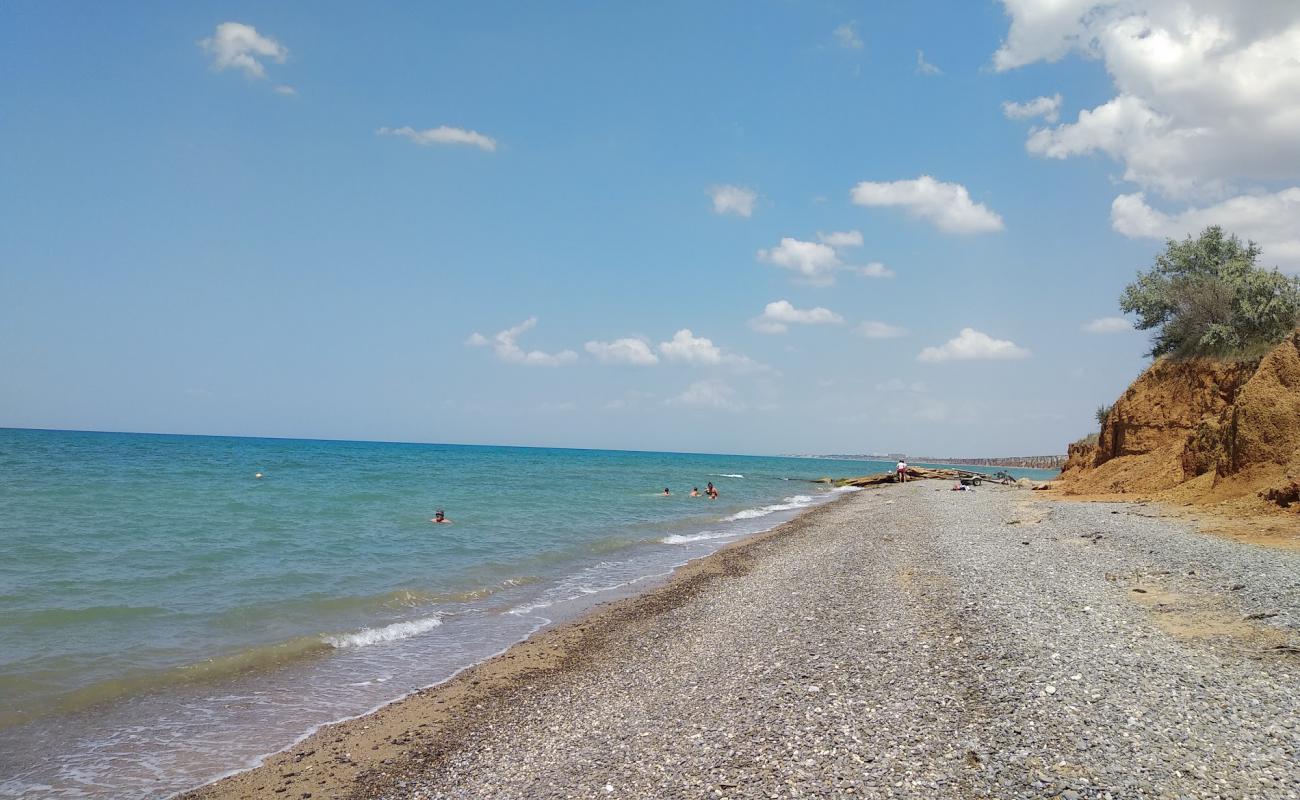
(908, 641)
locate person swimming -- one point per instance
(666, 492)
(440, 517)
(695, 491)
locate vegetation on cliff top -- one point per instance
(1206, 297)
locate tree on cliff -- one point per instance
(1206, 297)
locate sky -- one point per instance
(750, 227)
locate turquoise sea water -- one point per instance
(166, 616)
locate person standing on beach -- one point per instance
(902, 470)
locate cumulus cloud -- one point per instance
(1108, 325)
(924, 67)
(710, 394)
(841, 239)
(847, 37)
(738, 200)
(817, 262)
(1049, 108)
(1207, 92)
(443, 134)
(505, 345)
(635, 352)
(1270, 220)
(945, 205)
(778, 316)
(972, 345)
(813, 261)
(235, 45)
(874, 270)
(687, 348)
(873, 329)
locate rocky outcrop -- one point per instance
(1230, 428)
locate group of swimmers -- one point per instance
(709, 491)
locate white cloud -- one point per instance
(924, 67)
(736, 200)
(507, 349)
(1041, 30)
(1108, 325)
(288, 91)
(1049, 108)
(710, 394)
(235, 45)
(1270, 220)
(817, 262)
(632, 351)
(847, 37)
(946, 205)
(779, 315)
(1207, 92)
(443, 134)
(971, 345)
(874, 270)
(687, 348)
(691, 349)
(879, 330)
(841, 239)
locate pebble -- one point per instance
(932, 631)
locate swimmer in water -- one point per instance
(695, 491)
(440, 518)
(666, 492)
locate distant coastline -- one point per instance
(1023, 462)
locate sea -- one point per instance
(174, 608)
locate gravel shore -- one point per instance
(918, 642)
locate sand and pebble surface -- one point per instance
(909, 641)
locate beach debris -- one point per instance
(1049, 689)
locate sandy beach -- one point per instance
(902, 642)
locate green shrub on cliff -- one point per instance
(1102, 413)
(1206, 297)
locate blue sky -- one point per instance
(292, 219)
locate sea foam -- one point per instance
(681, 538)
(789, 504)
(389, 633)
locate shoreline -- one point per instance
(332, 758)
(911, 642)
